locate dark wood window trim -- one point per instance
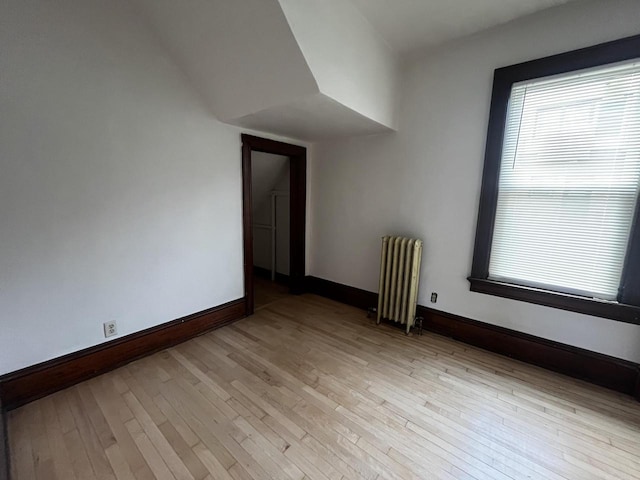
(627, 309)
(563, 301)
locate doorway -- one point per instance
(292, 161)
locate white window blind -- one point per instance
(569, 181)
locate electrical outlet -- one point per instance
(110, 329)
(434, 297)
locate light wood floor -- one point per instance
(309, 388)
(267, 292)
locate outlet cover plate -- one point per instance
(110, 329)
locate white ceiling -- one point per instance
(245, 61)
(411, 24)
(240, 56)
(313, 69)
(312, 118)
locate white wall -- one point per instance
(120, 194)
(349, 59)
(425, 180)
(241, 55)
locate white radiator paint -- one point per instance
(424, 181)
(120, 194)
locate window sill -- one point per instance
(573, 303)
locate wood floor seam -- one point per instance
(308, 388)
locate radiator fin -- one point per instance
(399, 276)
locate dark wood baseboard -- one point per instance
(31, 383)
(614, 373)
(281, 278)
(4, 445)
(342, 293)
(604, 370)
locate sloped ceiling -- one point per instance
(350, 61)
(311, 69)
(240, 55)
(245, 61)
(316, 117)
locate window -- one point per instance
(557, 220)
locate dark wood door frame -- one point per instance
(298, 201)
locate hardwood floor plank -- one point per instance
(65, 418)
(61, 459)
(151, 455)
(211, 463)
(79, 458)
(184, 451)
(153, 433)
(311, 389)
(42, 456)
(117, 413)
(22, 460)
(197, 422)
(188, 436)
(119, 463)
(91, 441)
